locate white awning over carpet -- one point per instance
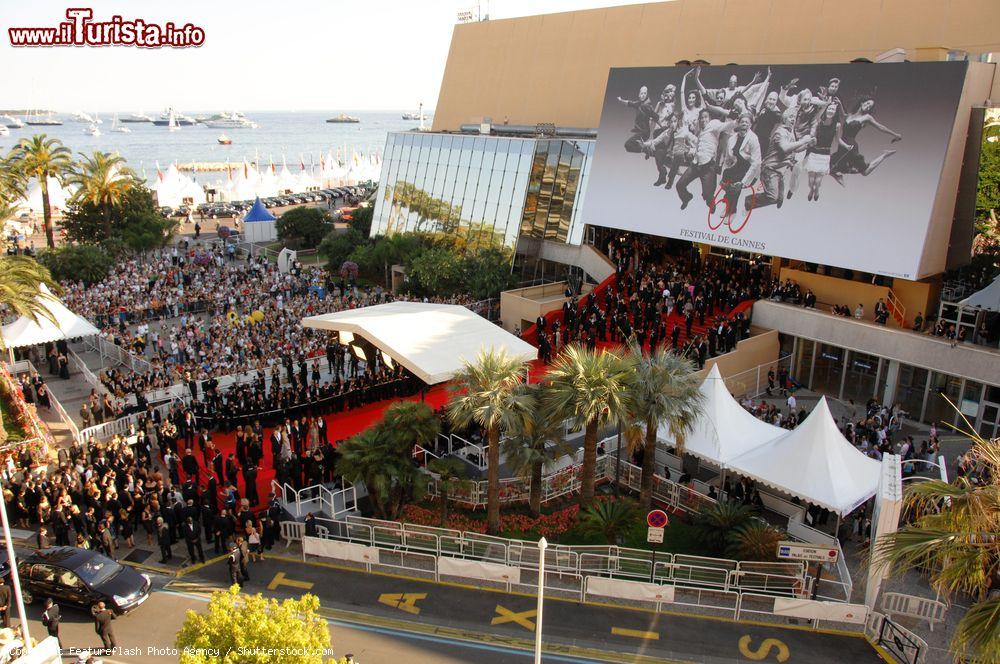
(433, 341)
(67, 325)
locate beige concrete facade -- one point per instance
(553, 68)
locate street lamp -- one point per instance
(542, 544)
(14, 578)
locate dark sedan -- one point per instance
(82, 577)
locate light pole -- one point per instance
(542, 544)
(14, 578)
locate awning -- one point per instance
(26, 332)
(987, 298)
(433, 341)
(815, 463)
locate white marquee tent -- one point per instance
(433, 341)
(58, 196)
(725, 430)
(67, 325)
(987, 298)
(815, 463)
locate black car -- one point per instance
(82, 577)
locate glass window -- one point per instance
(860, 382)
(828, 369)
(910, 388)
(938, 408)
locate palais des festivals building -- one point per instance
(517, 143)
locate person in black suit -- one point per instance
(102, 625)
(4, 603)
(50, 617)
(190, 465)
(192, 537)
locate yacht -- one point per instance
(172, 122)
(82, 117)
(137, 117)
(118, 126)
(229, 120)
(344, 118)
(11, 121)
(4, 131)
(36, 119)
(92, 130)
(179, 119)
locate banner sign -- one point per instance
(833, 164)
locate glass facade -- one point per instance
(478, 186)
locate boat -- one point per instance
(178, 119)
(92, 130)
(118, 126)
(229, 120)
(11, 121)
(4, 131)
(80, 116)
(172, 122)
(344, 118)
(224, 140)
(137, 117)
(39, 120)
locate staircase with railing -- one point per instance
(896, 308)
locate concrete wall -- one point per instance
(920, 350)
(597, 266)
(527, 304)
(749, 354)
(553, 67)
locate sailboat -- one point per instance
(172, 122)
(93, 130)
(119, 127)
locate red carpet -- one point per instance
(340, 426)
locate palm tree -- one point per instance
(103, 180)
(953, 534)
(714, 525)
(411, 423)
(610, 518)
(450, 471)
(754, 540)
(384, 464)
(12, 183)
(590, 388)
(535, 442)
(43, 158)
(20, 287)
(665, 390)
(485, 392)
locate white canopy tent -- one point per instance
(987, 298)
(724, 430)
(67, 325)
(433, 341)
(815, 463)
(58, 196)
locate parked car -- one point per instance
(82, 577)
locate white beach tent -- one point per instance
(58, 196)
(67, 325)
(815, 463)
(724, 430)
(987, 298)
(258, 224)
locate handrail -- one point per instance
(896, 308)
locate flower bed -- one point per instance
(517, 525)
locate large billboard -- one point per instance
(833, 164)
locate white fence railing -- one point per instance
(317, 498)
(109, 350)
(26, 366)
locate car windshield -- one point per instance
(97, 570)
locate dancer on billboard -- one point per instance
(705, 163)
(827, 131)
(779, 160)
(644, 117)
(848, 159)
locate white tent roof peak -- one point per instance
(725, 429)
(988, 298)
(26, 332)
(433, 341)
(815, 463)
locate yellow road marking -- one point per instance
(505, 615)
(403, 601)
(281, 580)
(764, 649)
(636, 633)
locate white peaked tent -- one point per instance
(987, 298)
(815, 463)
(724, 430)
(67, 325)
(58, 196)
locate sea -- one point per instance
(293, 136)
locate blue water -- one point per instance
(292, 134)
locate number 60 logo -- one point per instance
(726, 217)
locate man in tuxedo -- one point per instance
(192, 537)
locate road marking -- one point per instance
(403, 601)
(764, 649)
(636, 633)
(281, 580)
(505, 615)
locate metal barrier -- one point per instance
(26, 366)
(316, 497)
(88, 375)
(921, 608)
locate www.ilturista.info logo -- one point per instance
(82, 30)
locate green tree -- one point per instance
(251, 629)
(361, 219)
(535, 442)
(437, 271)
(132, 221)
(612, 519)
(412, 423)
(12, 187)
(20, 287)
(102, 180)
(77, 262)
(488, 272)
(450, 471)
(486, 392)
(42, 158)
(754, 540)
(592, 389)
(952, 535)
(303, 227)
(665, 390)
(338, 246)
(383, 461)
(713, 525)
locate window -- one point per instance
(43, 573)
(98, 569)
